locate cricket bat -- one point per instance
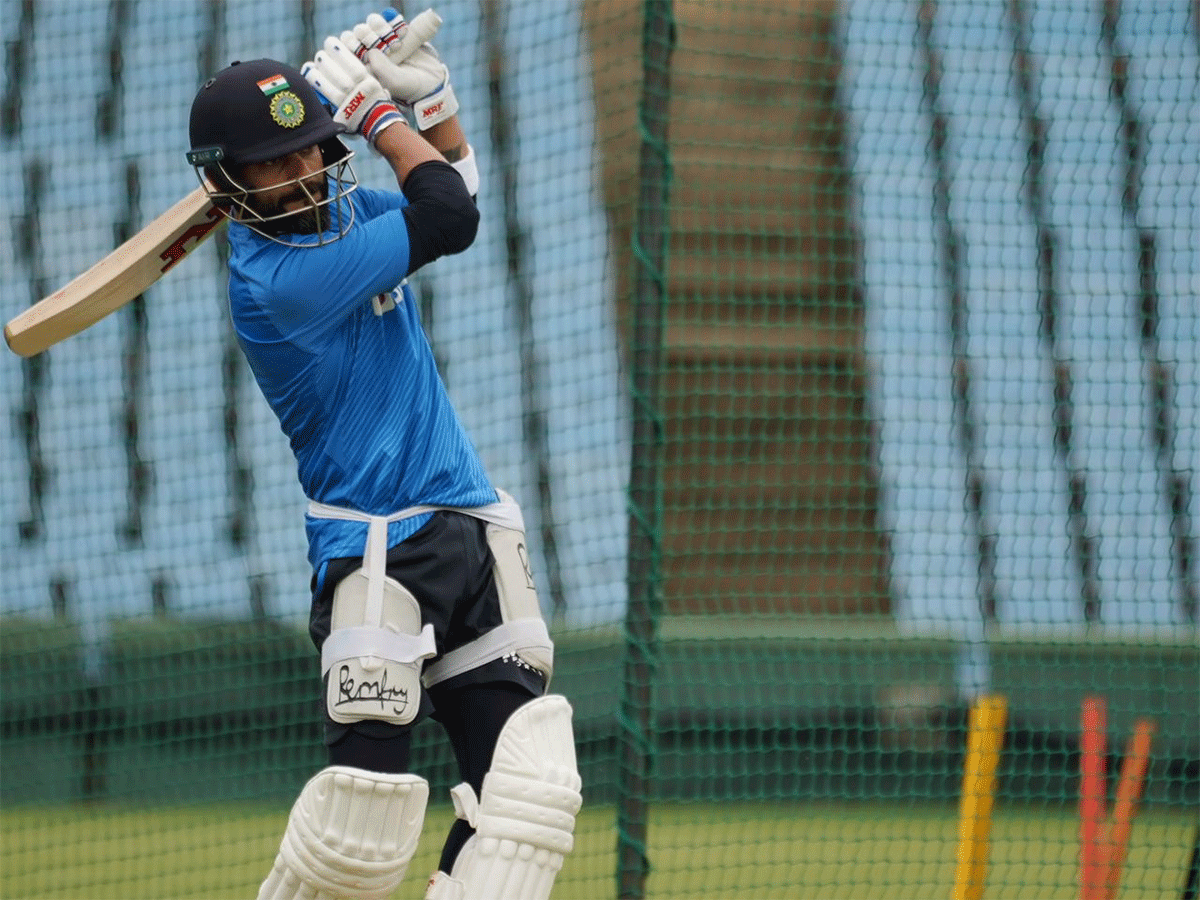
(118, 278)
(143, 259)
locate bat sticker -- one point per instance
(179, 249)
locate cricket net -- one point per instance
(843, 357)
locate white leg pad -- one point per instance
(525, 819)
(350, 836)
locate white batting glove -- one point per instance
(393, 35)
(415, 78)
(363, 105)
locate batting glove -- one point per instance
(417, 78)
(362, 104)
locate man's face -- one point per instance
(277, 186)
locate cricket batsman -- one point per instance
(423, 603)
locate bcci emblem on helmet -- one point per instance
(287, 110)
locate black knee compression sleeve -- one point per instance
(377, 754)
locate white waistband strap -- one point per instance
(506, 638)
(505, 513)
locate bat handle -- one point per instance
(421, 29)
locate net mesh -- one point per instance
(841, 355)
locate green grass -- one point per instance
(702, 851)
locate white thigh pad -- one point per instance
(351, 834)
(522, 633)
(514, 575)
(373, 656)
(524, 819)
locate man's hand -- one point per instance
(398, 39)
(415, 78)
(363, 105)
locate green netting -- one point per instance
(842, 355)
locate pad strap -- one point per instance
(548, 822)
(366, 640)
(505, 639)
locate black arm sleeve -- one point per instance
(441, 216)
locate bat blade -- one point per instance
(116, 279)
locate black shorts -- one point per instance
(447, 566)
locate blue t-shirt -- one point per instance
(354, 383)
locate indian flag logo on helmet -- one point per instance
(272, 85)
(286, 109)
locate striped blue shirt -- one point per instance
(356, 390)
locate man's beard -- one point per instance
(309, 219)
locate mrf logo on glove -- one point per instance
(429, 114)
(354, 103)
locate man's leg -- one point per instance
(516, 807)
(354, 827)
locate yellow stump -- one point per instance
(984, 740)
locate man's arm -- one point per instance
(449, 139)
(405, 149)
(441, 214)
